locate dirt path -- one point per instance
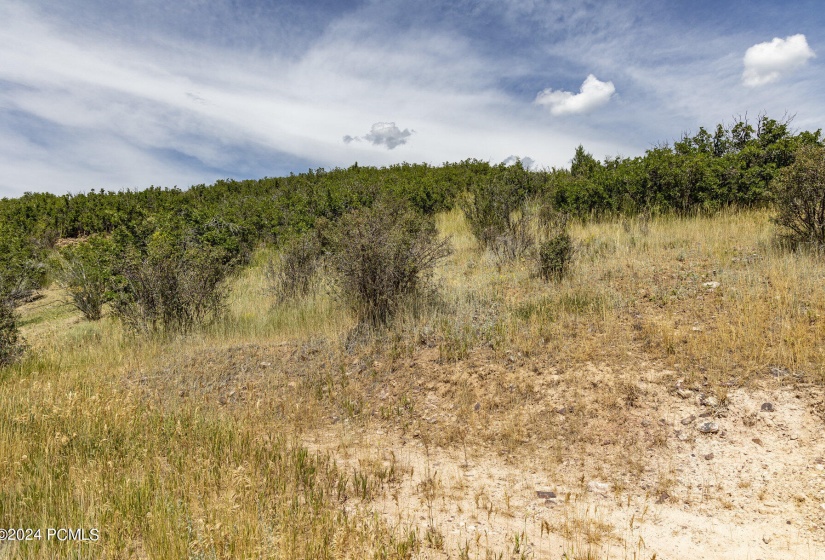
(754, 489)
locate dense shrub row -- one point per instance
(733, 166)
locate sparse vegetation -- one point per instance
(266, 435)
(294, 273)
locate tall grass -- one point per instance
(194, 446)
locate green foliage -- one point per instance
(85, 271)
(800, 196)
(381, 256)
(496, 211)
(11, 345)
(727, 165)
(555, 255)
(555, 251)
(22, 270)
(733, 166)
(175, 283)
(584, 164)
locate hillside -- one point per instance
(508, 418)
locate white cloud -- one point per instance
(592, 95)
(387, 134)
(383, 134)
(526, 162)
(767, 62)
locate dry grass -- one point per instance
(197, 447)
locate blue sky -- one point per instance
(95, 94)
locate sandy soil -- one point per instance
(755, 489)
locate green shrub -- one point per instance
(175, 285)
(22, 270)
(295, 271)
(554, 256)
(11, 345)
(799, 191)
(555, 252)
(85, 271)
(381, 256)
(498, 217)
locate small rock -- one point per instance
(800, 497)
(711, 285)
(706, 414)
(710, 401)
(685, 394)
(779, 372)
(794, 437)
(681, 436)
(757, 441)
(477, 406)
(546, 494)
(822, 506)
(266, 364)
(766, 539)
(708, 428)
(767, 407)
(709, 456)
(688, 420)
(597, 487)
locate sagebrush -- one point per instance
(382, 255)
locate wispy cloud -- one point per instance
(768, 62)
(592, 95)
(99, 96)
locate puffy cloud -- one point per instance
(383, 134)
(527, 162)
(592, 95)
(767, 62)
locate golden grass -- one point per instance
(193, 447)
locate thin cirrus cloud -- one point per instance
(768, 62)
(593, 94)
(385, 134)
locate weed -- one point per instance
(294, 274)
